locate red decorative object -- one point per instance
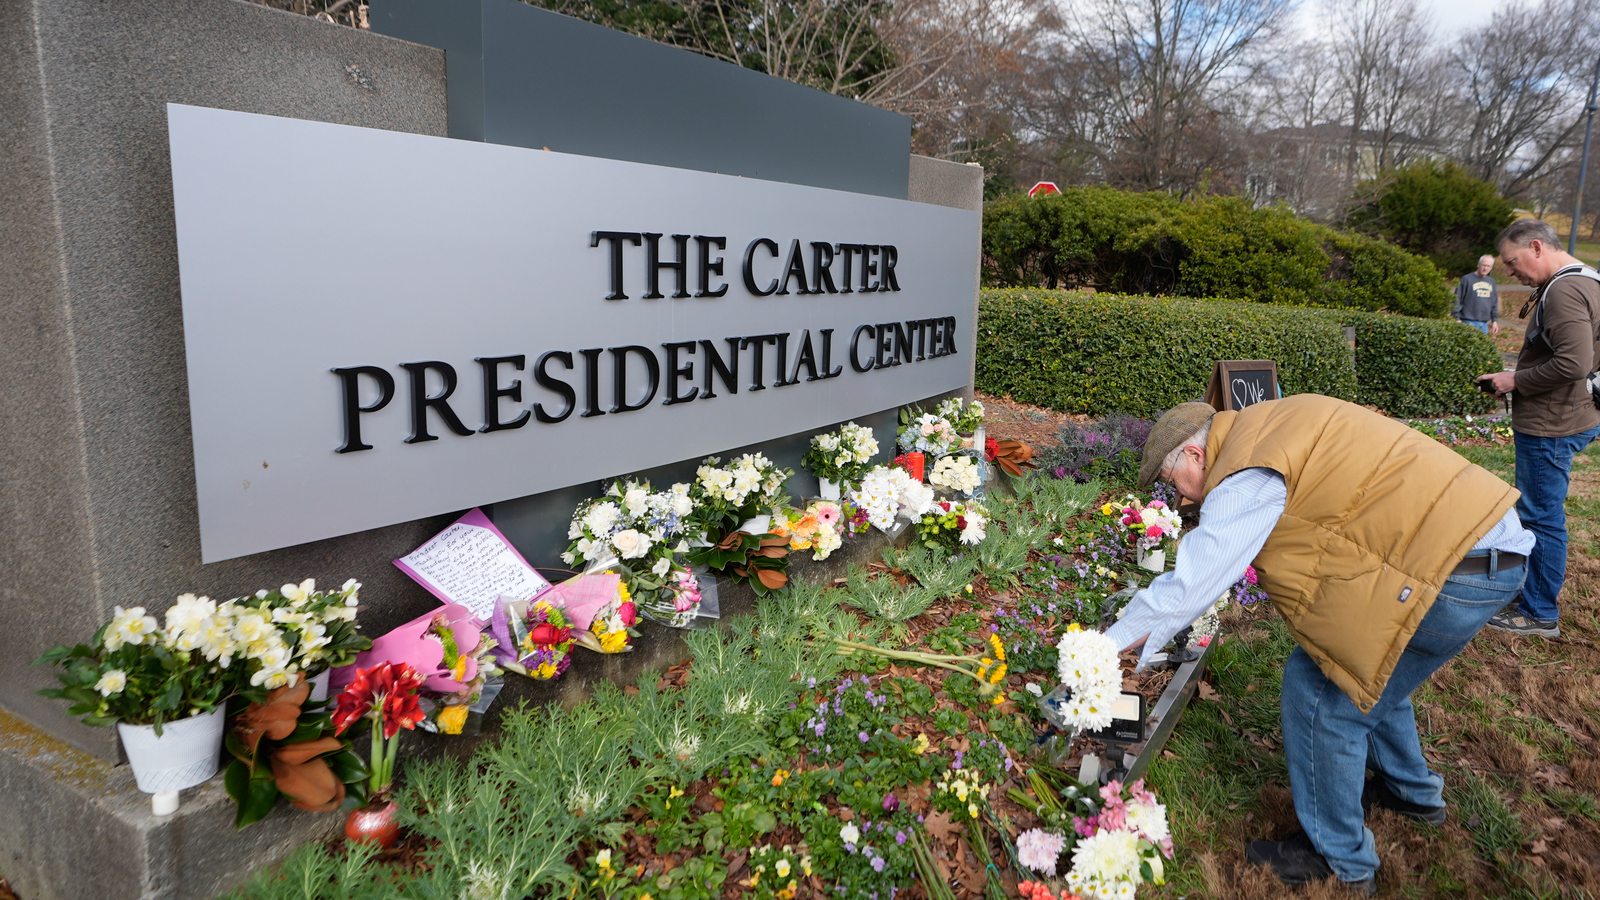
(375, 823)
(386, 692)
(1044, 189)
(912, 463)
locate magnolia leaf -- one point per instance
(772, 578)
(311, 783)
(297, 754)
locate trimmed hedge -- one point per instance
(1210, 247)
(1103, 353)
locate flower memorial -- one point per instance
(1087, 666)
(285, 746)
(726, 497)
(612, 630)
(842, 456)
(957, 472)
(645, 536)
(947, 525)
(1149, 525)
(964, 417)
(316, 630)
(816, 528)
(385, 696)
(1115, 837)
(886, 493)
(927, 433)
(545, 641)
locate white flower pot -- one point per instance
(319, 685)
(186, 753)
(1153, 560)
(757, 525)
(827, 490)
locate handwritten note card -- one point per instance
(472, 563)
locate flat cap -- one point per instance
(1175, 426)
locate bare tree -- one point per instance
(1518, 82)
(1164, 73)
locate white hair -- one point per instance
(1198, 439)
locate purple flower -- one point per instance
(877, 864)
(864, 737)
(900, 837)
(851, 848)
(891, 803)
(820, 727)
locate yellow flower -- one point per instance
(459, 673)
(779, 776)
(782, 868)
(1074, 627)
(969, 588)
(972, 808)
(548, 670)
(622, 593)
(614, 642)
(805, 865)
(999, 673)
(999, 648)
(986, 662)
(1107, 509)
(919, 747)
(452, 719)
(788, 892)
(999, 698)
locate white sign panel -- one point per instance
(432, 324)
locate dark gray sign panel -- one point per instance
(517, 321)
(528, 77)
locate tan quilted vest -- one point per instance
(1377, 516)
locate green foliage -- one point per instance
(884, 598)
(1104, 353)
(1207, 247)
(1433, 209)
(1497, 830)
(1419, 367)
(1101, 353)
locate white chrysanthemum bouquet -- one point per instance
(1087, 664)
(887, 493)
(842, 456)
(956, 472)
(1116, 841)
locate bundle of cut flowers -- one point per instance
(545, 641)
(964, 417)
(727, 496)
(1147, 524)
(474, 672)
(922, 432)
(842, 456)
(815, 528)
(949, 524)
(644, 536)
(887, 493)
(956, 472)
(1090, 680)
(612, 629)
(1115, 844)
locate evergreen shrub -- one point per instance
(1099, 354)
(1209, 247)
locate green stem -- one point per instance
(378, 783)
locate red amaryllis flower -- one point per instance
(385, 693)
(547, 635)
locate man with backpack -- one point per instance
(1554, 414)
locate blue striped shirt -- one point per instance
(1238, 515)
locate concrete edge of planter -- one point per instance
(1169, 708)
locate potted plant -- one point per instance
(840, 458)
(316, 628)
(385, 696)
(165, 688)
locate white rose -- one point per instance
(630, 544)
(635, 500)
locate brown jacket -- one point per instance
(1560, 350)
(1377, 516)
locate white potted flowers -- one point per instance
(840, 458)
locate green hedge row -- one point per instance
(1209, 247)
(1103, 353)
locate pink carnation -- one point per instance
(1038, 850)
(1250, 575)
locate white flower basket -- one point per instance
(1153, 560)
(186, 753)
(827, 490)
(757, 525)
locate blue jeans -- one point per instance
(1329, 744)
(1481, 326)
(1544, 468)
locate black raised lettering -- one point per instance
(795, 269)
(675, 372)
(492, 391)
(616, 238)
(709, 266)
(591, 382)
(827, 354)
(855, 348)
(350, 386)
(885, 348)
(653, 265)
(890, 257)
(749, 266)
(551, 383)
(821, 267)
(439, 403)
(757, 343)
(902, 344)
(845, 251)
(806, 359)
(727, 370)
(619, 377)
(869, 268)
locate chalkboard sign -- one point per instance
(1237, 383)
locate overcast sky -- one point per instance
(1450, 17)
